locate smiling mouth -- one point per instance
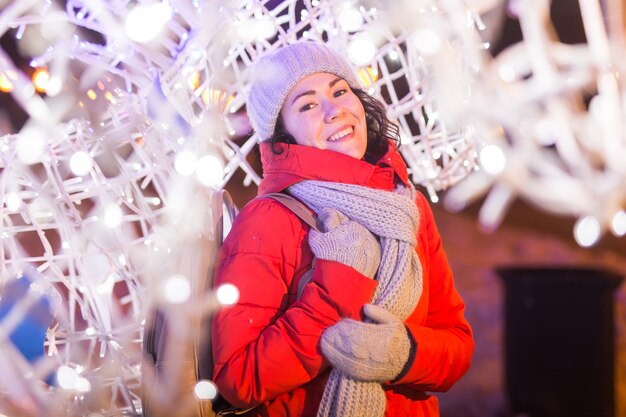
(341, 134)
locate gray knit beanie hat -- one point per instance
(276, 73)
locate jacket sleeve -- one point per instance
(444, 341)
(262, 347)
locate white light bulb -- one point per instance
(81, 163)
(13, 201)
(30, 146)
(83, 384)
(177, 289)
(587, 231)
(427, 41)
(506, 73)
(264, 28)
(361, 50)
(210, 170)
(55, 85)
(145, 22)
(185, 163)
(350, 20)
(227, 294)
(205, 390)
(618, 223)
(492, 159)
(113, 215)
(67, 377)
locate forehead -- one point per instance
(317, 81)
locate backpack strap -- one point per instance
(297, 208)
(309, 218)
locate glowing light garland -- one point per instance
(98, 188)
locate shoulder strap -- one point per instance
(297, 208)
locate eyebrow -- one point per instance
(311, 92)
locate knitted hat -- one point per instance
(276, 73)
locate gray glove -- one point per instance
(346, 241)
(375, 352)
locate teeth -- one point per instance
(341, 134)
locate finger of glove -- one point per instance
(331, 218)
(379, 314)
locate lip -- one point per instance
(346, 137)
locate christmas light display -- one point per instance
(137, 116)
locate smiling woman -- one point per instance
(359, 318)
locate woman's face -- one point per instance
(323, 112)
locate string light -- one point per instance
(81, 163)
(427, 41)
(492, 159)
(177, 289)
(13, 201)
(185, 163)
(210, 170)
(30, 146)
(41, 79)
(146, 21)
(6, 86)
(227, 294)
(205, 390)
(350, 19)
(112, 215)
(587, 231)
(618, 223)
(361, 50)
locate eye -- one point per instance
(340, 92)
(306, 107)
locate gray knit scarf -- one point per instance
(394, 218)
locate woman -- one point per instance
(379, 323)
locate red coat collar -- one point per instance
(298, 163)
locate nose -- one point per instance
(332, 110)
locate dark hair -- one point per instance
(379, 128)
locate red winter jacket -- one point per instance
(266, 348)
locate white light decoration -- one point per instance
(67, 377)
(30, 146)
(54, 86)
(83, 385)
(209, 170)
(361, 50)
(587, 231)
(113, 215)
(177, 289)
(13, 201)
(81, 163)
(428, 41)
(185, 163)
(205, 390)
(350, 19)
(227, 294)
(146, 21)
(618, 223)
(492, 159)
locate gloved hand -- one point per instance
(374, 352)
(346, 241)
